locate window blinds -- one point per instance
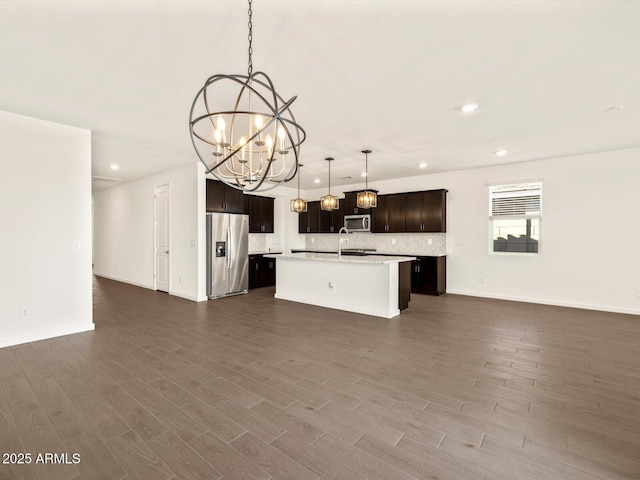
(516, 200)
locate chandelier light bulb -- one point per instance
(243, 145)
(269, 143)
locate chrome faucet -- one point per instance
(340, 240)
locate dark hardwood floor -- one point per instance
(254, 388)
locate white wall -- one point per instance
(590, 233)
(124, 231)
(45, 213)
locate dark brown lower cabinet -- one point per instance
(262, 271)
(404, 284)
(429, 275)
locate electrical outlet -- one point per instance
(393, 241)
(313, 240)
(117, 268)
(194, 243)
(25, 311)
(76, 246)
(482, 280)
(460, 242)
(180, 279)
(638, 292)
(429, 241)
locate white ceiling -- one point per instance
(384, 75)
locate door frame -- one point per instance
(155, 233)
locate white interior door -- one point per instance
(162, 262)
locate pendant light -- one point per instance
(329, 202)
(368, 198)
(243, 131)
(299, 205)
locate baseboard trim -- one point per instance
(186, 297)
(122, 280)
(34, 337)
(584, 306)
(150, 287)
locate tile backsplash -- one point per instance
(257, 242)
(400, 243)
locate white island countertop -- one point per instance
(333, 257)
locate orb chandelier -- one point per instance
(299, 205)
(329, 202)
(243, 131)
(368, 198)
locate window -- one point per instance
(515, 213)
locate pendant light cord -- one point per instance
(366, 171)
(250, 70)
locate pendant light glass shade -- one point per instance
(298, 205)
(368, 198)
(243, 131)
(329, 202)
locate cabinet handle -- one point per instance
(256, 266)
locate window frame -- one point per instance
(525, 216)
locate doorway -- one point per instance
(162, 237)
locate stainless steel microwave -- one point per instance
(358, 223)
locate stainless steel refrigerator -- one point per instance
(227, 254)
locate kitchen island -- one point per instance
(372, 285)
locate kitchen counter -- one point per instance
(333, 257)
(374, 285)
(335, 252)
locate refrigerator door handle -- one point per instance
(230, 247)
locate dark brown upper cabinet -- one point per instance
(223, 198)
(309, 221)
(333, 221)
(260, 211)
(316, 220)
(389, 215)
(426, 211)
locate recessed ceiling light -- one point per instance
(469, 107)
(501, 153)
(615, 108)
(316, 180)
(363, 174)
(422, 165)
(114, 167)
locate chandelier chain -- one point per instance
(250, 70)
